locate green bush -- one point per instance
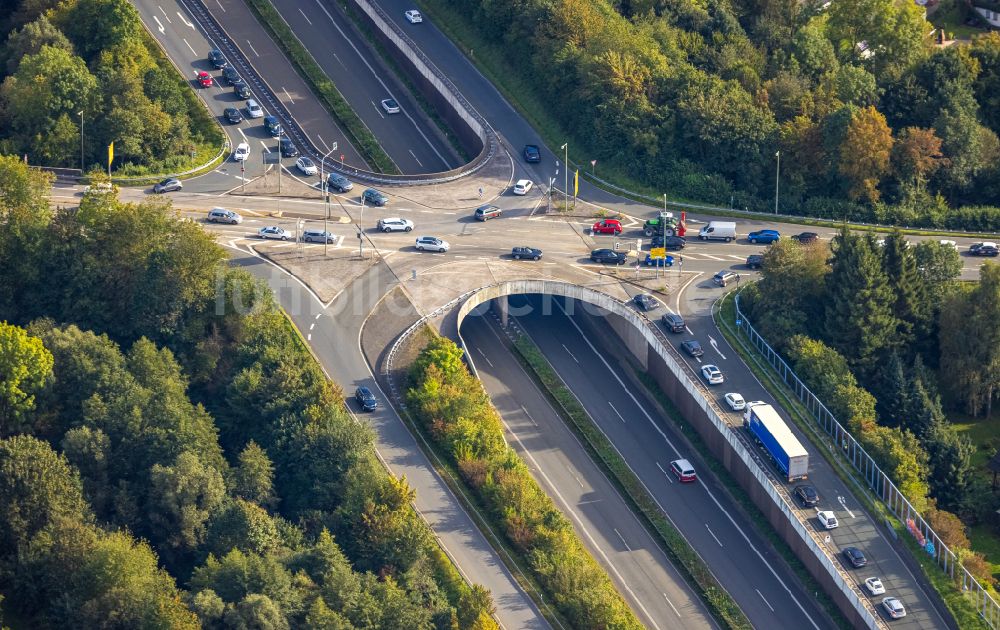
(455, 410)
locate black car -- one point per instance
(170, 184)
(374, 197)
(532, 154)
(608, 256)
(645, 301)
(233, 115)
(366, 399)
(692, 347)
(241, 89)
(670, 242)
(807, 496)
(217, 59)
(273, 126)
(983, 249)
(855, 557)
(231, 76)
(755, 261)
(287, 148)
(674, 322)
(806, 237)
(524, 251)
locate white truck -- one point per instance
(718, 231)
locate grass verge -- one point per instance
(719, 602)
(961, 608)
(358, 134)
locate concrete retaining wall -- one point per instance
(675, 379)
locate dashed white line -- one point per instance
(713, 535)
(252, 48)
(569, 353)
(483, 354)
(289, 96)
(312, 325)
(619, 415)
(165, 17)
(579, 482)
(183, 19)
(323, 142)
(669, 478)
(416, 158)
(189, 47)
(242, 134)
(676, 612)
(220, 6)
(309, 337)
(529, 416)
(622, 538)
(765, 600)
(318, 315)
(306, 17)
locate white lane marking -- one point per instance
(711, 257)
(569, 353)
(289, 96)
(312, 325)
(765, 600)
(323, 142)
(220, 6)
(578, 481)
(306, 17)
(189, 47)
(378, 109)
(529, 416)
(700, 481)
(159, 25)
(843, 503)
(183, 19)
(309, 337)
(164, 14)
(580, 524)
(676, 612)
(483, 354)
(266, 150)
(622, 538)
(669, 477)
(252, 48)
(713, 535)
(715, 345)
(616, 411)
(339, 61)
(242, 134)
(318, 315)
(416, 158)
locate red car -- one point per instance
(204, 79)
(608, 226)
(684, 471)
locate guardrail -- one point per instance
(880, 483)
(263, 92)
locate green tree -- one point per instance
(812, 50)
(321, 617)
(986, 50)
(90, 450)
(901, 457)
(938, 265)
(791, 289)
(181, 499)
(951, 469)
(29, 41)
(856, 86)
(912, 307)
(238, 574)
(255, 612)
(969, 147)
(894, 32)
(864, 154)
(916, 155)
(37, 487)
(241, 525)
(253, 479)
(859, 313)
(25, 367)
(97, 25)
(209, 607)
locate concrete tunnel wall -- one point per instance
(644, 342)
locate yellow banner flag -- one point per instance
(576, 183)
(111, 153)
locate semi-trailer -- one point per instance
(764, 423)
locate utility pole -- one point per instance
(326, 200)
(361, 235)
(80, 114)
(279, 157)
(777, 174)
(565, 149)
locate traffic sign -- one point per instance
(658, 252)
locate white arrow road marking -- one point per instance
(159, 25)
(183, 19)
(715, 346)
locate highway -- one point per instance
(642, 573)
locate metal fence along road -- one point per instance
(880, 483)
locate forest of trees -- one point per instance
(695, 97)
(891, 342)
(63, 57)
(171, 455)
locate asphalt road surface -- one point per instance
(615, 537)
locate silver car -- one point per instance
(432, 244)
(168, 185)
(273, 232)
(395, 224)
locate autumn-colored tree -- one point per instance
(948, 527)
(917, 154)
(864, 154)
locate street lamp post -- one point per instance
(664, 203)
(565, 149)
(361, 236)
(777, 174)
(80, 114)
(326, 199)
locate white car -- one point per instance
(395, 224)
(242, 152)
(894, 607)
(413, 16)
(522, 186)
(712, 374)
(827, 519)
(99, 188)
(305, 165)
(874, 586)
(735, 401)
(432, 244)
(390, 106)
(275, 232)
(254, 110)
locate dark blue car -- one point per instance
(763, 236)
(532, 154)
(366, 399)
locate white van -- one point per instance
(718, 231)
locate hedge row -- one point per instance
(456, 412)
(359, 135)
